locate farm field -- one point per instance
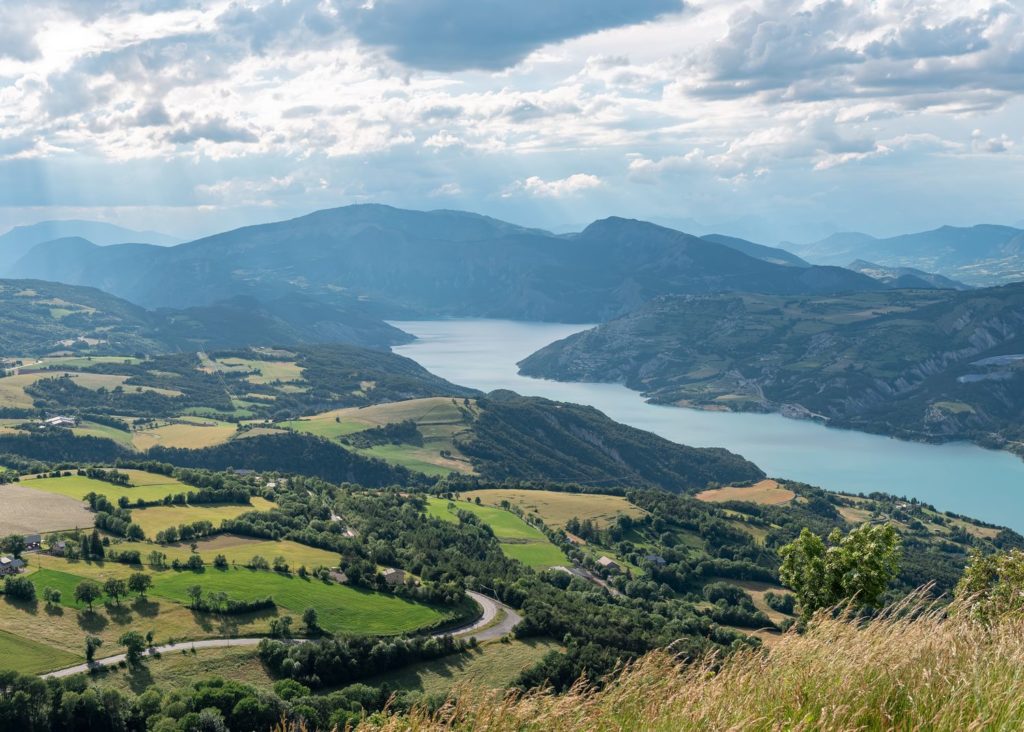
(518, 539)
(30, 657)
(439, 420)
(147, 486)
(192, 433)
(180, 670)
(342, 609)
(766, 492)
(93, 429)
(64, 627)
(555, 508)
(259, 372)
(491, 666)
(30, 511)
(73, 362)
(240, 549)
(157, 518)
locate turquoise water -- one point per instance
(958, 477)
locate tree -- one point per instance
(115, 589)
(281, 627)
(311, 621)
(95, 545)
(195, 593)
(13, 544)
(20, 588)
(854, 569)
(220, 561)
(135, 644)
(992, 586)
(157, 559)
(91, 644)
(88, 592)
(51, 596)
(139, 582)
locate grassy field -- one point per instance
(30, 511)
(240, 549)
(439, 420)
(555, 508)
(518, 539)
(64, 627)
(180, 670)
(93, 429)
(158, 518)
(766, 492)
(192, 433)
(491, 666)
(341, 609)
(905, 671)
(147, 486)
(29, 657)
(259, 372)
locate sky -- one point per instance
(771, 119)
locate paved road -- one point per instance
(490, 607)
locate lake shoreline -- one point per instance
(961, 477)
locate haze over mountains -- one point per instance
(18, 241)
(437, 263)
(978, 255)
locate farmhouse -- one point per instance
(394, 576)
(655, 559)
(61, 421)
(610, 564)
(10, 565)
(32, 541)
(58, 548)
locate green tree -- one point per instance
(13, 544)
(195, 594)
(311, 620)
(139, 582)
(855, 568)
(88, 592)
(135, 644)
(992, 586)
(95, 545)
(91, 644)
(115, 589)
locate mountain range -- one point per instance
(981, 255)
(400, 263)
(17, 242)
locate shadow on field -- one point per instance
(120, 614)
(139, 678)
(146, 607)
(91, 621)
(28, 606)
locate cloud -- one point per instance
(17, 34)
(451, 35)
(537, 187)
(214, 129)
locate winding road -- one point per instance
(483, 628)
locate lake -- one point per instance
(959, 477)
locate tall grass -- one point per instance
(918, 667)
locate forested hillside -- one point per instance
(920, 364)
(38, 318)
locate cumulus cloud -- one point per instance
(537, 187)
(450, 35)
